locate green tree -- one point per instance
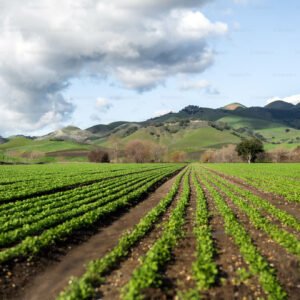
(249, 149)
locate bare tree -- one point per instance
(115, 143)
(225, 154)
(137, 151)
(279, 155)
(158, 152)
(208, 156)
(295, 155)
(98, 156)
(141, 151)
(178, 156)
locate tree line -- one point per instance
(142, 151)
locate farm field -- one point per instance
(150, 231)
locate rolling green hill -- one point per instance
(193, 130)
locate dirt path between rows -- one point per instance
(55, 277)
(280, 202)
(121, 275)
(229, 260)
(178, 274)
(269, 216)
(285, 264)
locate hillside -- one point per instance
(234, 106)
(193, 130)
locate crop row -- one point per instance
(34, 244)
(94, 202)
(147, 274)
(32, 205)
(257, 264)
(283, 180)
(204, 268)
(282, 237)
(260, 203)
(84, 287)
(30, 190)
(36, 204)
(57, 205)
(14, 174)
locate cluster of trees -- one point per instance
(141, 151)
(98, 156)
(136, 151)
(283, 155)
(225, 154)
(248, 150)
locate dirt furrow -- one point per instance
(230, 284)
(287, 269)
(46, 276)
(178, 273)
(270, 217)
(280, 202)
(116, 280)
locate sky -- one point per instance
(86, 62)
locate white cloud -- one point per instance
(103, 104)
(46, 43)
(202, 84)
(294, 99)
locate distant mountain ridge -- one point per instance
(192, 129)
(234, 106)
(279, 104)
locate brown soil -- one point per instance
(285, 264)
(229, 260)
(45, 276)
(178, 274)
(280, 202)
(119, 277)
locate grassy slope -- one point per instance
(238, 122)
(187, 139)
(22, 144)
(279, 133)
(12, 150)
(273, 132)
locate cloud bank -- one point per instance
(44, 44)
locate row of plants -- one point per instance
(258, 266)
(27, 189)
(281, 236)
(34, 244)
(260, 203)
(148, 273)
(84, 287)
(100, 193)
(204, 268)
(34, 228)
(11, 175)
(282, 179)
(36, 204)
